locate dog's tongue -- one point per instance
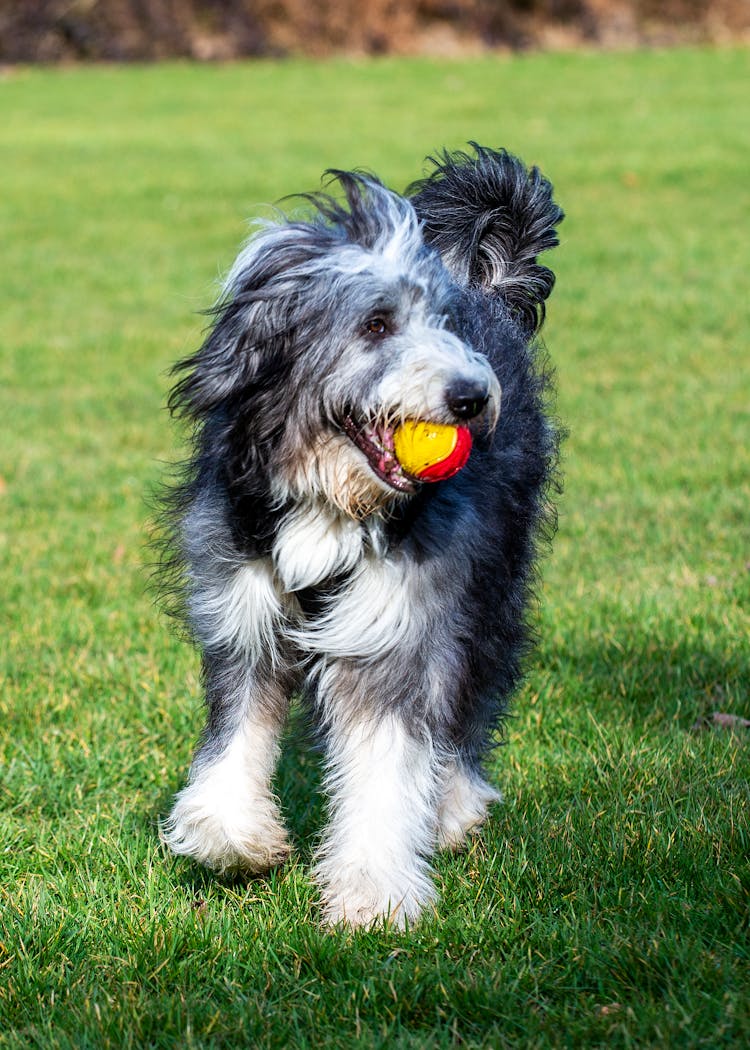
(431, 451)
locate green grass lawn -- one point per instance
(607, 901)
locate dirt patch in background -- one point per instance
(130, 30)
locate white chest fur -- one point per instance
(314, 542)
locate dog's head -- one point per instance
(333, 330)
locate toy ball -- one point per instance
(431, 451)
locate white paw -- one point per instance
(357, 899)
(464, 807)
(240, 835)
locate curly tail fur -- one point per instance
(490, 217)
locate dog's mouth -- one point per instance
(375, 441)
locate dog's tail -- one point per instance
(490, 217)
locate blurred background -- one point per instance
(135, 30)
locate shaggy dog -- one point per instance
(311, 562)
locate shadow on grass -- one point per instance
(298, 784)
(651, 673)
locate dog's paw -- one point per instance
(359, 900)
(463, 808)
(247, 836)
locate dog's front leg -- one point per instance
(226, 817)
(383, 783)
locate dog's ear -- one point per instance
(246, 348)
(490, 217)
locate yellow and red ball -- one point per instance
(431, 451)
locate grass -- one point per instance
(607, 902)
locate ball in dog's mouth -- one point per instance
(411, 452)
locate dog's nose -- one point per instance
(466, 398)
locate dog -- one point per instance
(312, 563)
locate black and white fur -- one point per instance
(311, 565)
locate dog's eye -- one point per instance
(376, 326)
